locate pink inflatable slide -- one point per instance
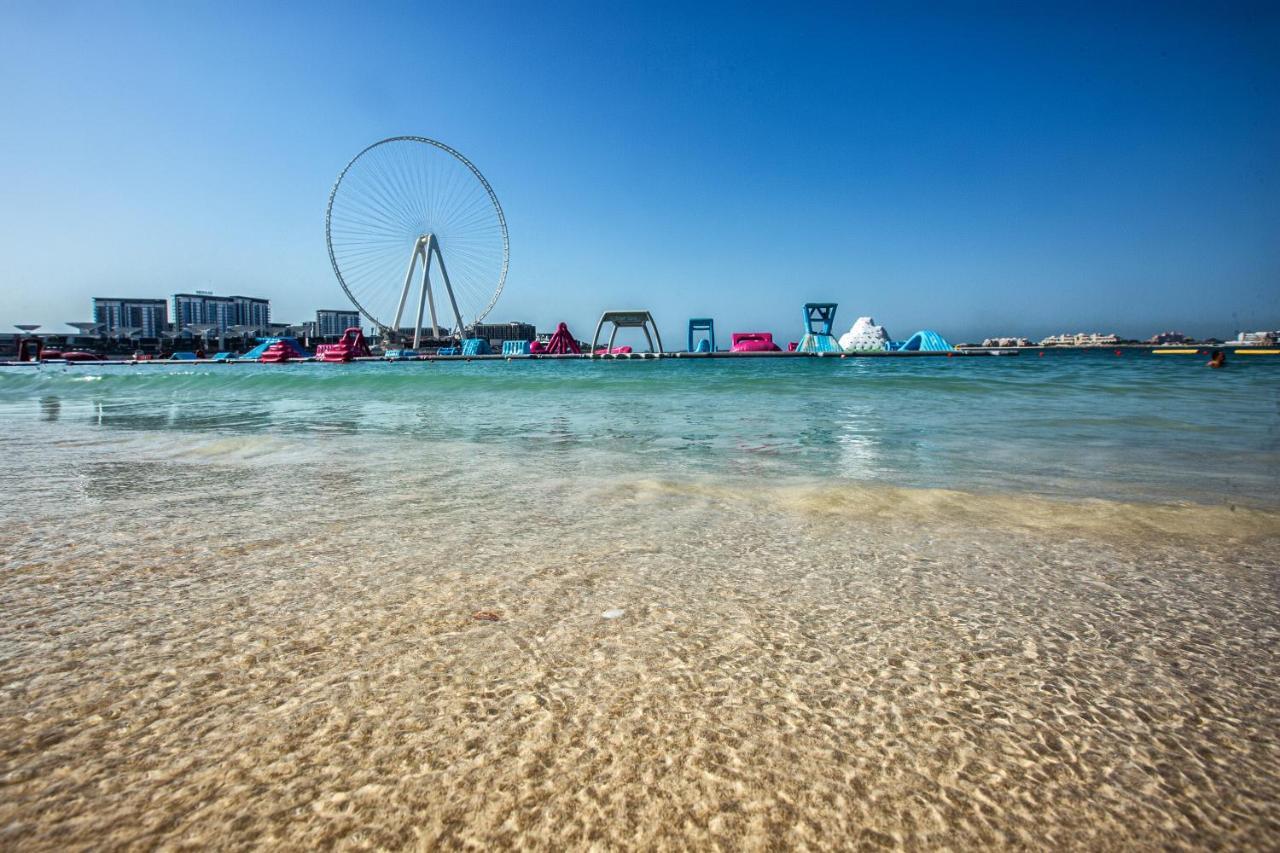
(753, 342)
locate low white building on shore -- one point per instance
(1255, 339)
(1080, 339)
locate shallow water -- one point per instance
(965, 602)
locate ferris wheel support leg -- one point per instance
(448, 286)
(423, 293)
(431, 299)
(404, 293)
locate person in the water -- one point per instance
(1218, 359)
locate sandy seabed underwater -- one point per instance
(223, 631)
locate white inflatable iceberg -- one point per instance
(864, 335)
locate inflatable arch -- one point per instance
(925, 340)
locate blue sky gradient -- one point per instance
(975, 168)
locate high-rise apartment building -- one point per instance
(205, 309)
(253, 311)
(150, 316)
(494, 333)
(331, 323)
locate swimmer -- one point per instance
(1218, 359)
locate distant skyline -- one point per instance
(984, 169)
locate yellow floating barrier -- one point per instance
(1175, 351)
(1256, 352)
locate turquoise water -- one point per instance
(964, 603)
(1137, 427)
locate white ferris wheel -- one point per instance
(398, 209)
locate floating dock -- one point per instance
(966, 352)
(628, 356)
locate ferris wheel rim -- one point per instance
(461, 158)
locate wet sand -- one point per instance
(883, 671)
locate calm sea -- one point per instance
(1068, 425)
(963, 603)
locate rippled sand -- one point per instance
(790, 668)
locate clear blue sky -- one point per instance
(974, 168)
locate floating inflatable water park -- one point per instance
(815, 339)
(385, 215)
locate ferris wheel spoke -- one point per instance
(381, 192)
(369, 222)
(383, 188)
(393, 178)
(471, 215)
(468, 205)
(472, 207)
(373, 201)
(418, 187)
(445, 199)
(351, 238)
(470, 258)
(438, 179)
(384, 219)
(395, 181)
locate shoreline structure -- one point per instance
(959, 352)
